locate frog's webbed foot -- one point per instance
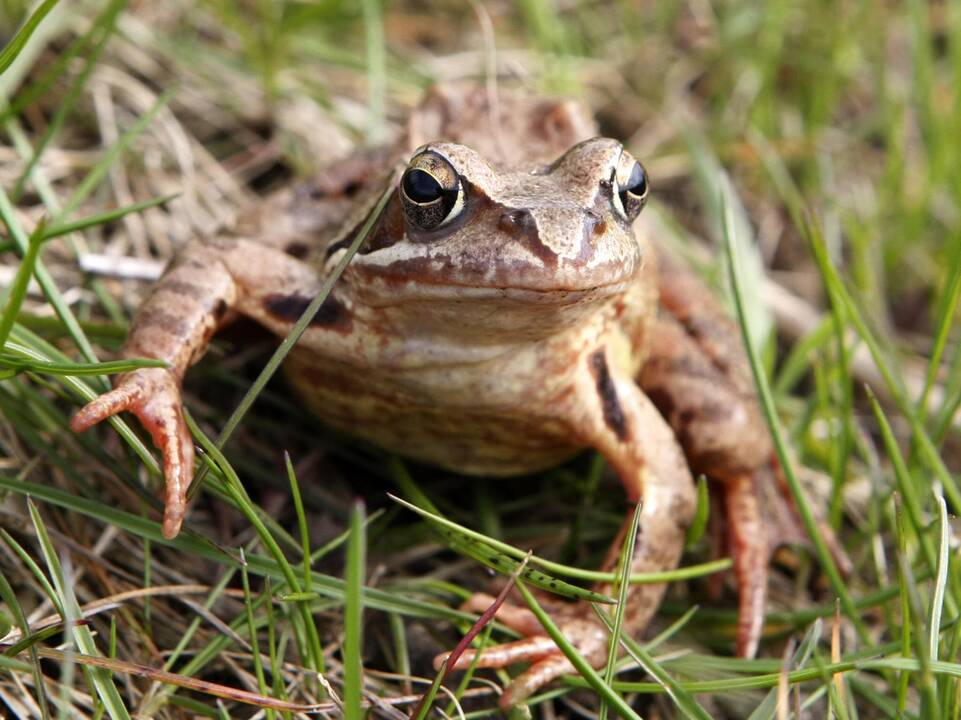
(153, 395)
(575, 620)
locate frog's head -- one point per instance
(459, 229)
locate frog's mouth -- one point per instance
(382, 289)
(470, 275)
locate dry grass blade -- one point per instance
(783, 686)
(125, 667)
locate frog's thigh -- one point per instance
(719, 425)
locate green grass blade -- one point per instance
(105, 24)
(702, 513)
(105, 217)
(252, 629)
(35, 570)
(949, 307)
(9, 217)
(492, 553)
(16, 364)
(192, 543)
(924, 683)
(952, 399)
(671, 630)
(472, 538)
(769, 680)
(39, 350)
(838, 293)
(768, 707)
(41, 86)
(376, 69)
(940, 580)
(18, 290)
(236, 490)
(301, 518)
(354, 615)
(101, 682)
(18, 41)
(909, 497)
(427, 701)
(624, 586)
(9, 598)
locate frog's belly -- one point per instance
(467, 434)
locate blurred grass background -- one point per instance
(833, 130)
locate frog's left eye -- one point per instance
(431, 191)
(631, 187)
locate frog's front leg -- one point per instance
(205, 282)
(610, 412)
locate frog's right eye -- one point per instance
(431, 191)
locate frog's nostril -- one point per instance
(516, 221)
(594, 224)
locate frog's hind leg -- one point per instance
(698, 376)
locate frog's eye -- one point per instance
(431, 191)
(630, 187)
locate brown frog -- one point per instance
(501, 316)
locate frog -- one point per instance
(508, 309)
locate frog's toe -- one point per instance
(164, 420)
(547, 664)
(534, 678)
(750, 547)
(577, 623)
(746, 535)
(530, 649)
(153, 395)
(178, 461)
(105, 406)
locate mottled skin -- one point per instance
(502, 342)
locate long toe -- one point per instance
(534, 678)
(527, 650)
(748, 540)
(104, 406)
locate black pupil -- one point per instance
(422, 187)
(637, 183)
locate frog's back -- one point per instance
(509, 128)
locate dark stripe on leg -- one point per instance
(611, 406)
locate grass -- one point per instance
(813, 146)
